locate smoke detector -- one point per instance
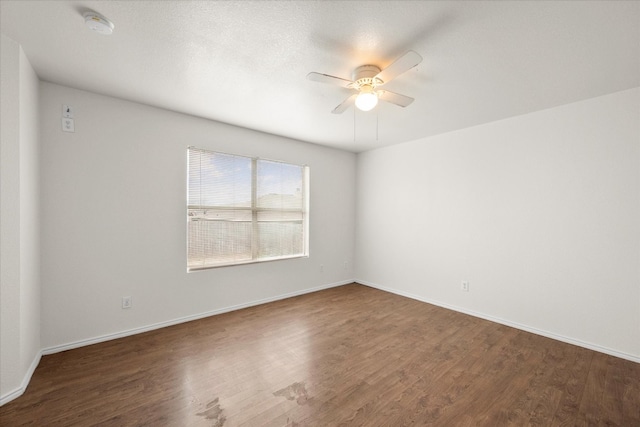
(98, 23)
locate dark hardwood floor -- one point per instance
(345, 356)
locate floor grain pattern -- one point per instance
(346, 356)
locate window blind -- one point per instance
(242, 209)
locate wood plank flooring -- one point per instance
(351, 356)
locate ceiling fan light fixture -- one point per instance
(366, 79)
(367, 99)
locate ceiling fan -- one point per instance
(367, 80)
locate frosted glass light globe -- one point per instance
(367, 99)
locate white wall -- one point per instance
(113, 218)
(10, 376)
(29, 215)
(540, 213)
(19, 221)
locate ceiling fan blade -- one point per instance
(394, 98)
(326, 78)
(399, 66)
(345, 104)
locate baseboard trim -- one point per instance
(134, 331)
(501, 321)
(25, 381)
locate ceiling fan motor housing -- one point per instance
(365, 76)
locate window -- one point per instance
(242, 210)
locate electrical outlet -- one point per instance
(67, 125)
(126, 302)
(465, 286)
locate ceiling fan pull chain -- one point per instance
(354, 127)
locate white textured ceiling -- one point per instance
(245, 62)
